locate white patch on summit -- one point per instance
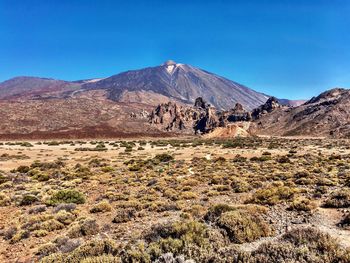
(170, 68)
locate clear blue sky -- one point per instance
(292, 49)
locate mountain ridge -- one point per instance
(327, 115)
(170, 80)
(181, 82)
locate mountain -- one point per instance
(121, 105)
(179, 82)
(325, 115)
(30, 87)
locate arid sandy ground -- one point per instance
(124, 190)
(45, 153)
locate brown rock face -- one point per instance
(171, 117)
(326, 115)
(238, 113)
(200, 103)
(270, 105)
(200, 119)
(207, 121)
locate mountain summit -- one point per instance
(179, 82)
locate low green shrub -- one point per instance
(101, 207)
(273, 195)
(243, 226)
(66, 196)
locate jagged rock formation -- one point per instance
(326, 115)
(207, 121)
(270, 105)
(200, 103)
(143, 114)
(203, 118)
(238, 113)
(172, 117)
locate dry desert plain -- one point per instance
(175, 200)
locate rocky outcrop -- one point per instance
(202, 118)
(143, 114)
(198, 119)
(329, 95)
(207, 121)
(270, 105)
(200, 103)
(172, 117)
(169, 116)
(237, 114)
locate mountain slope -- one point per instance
(325, 115)
(180, 82)
(86, 115)
(33, 87)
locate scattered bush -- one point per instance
(95, 249)
(302, 204)
(124, 215)
(302, 245)
(240, 186)
(215, 211)
(243, 226)
(66, 196)
(101, 207)
(163, 158)
(188, 238)
(28, 200)
(46, 249)
(85, 227)
(65, 217)
(19, 235)
(339, 199)
(23, 169)
(272, 195)
(345, 222)
(4, 200)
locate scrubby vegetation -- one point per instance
(66, 196)
(243, 225)
(339, 199)
(242, 200)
